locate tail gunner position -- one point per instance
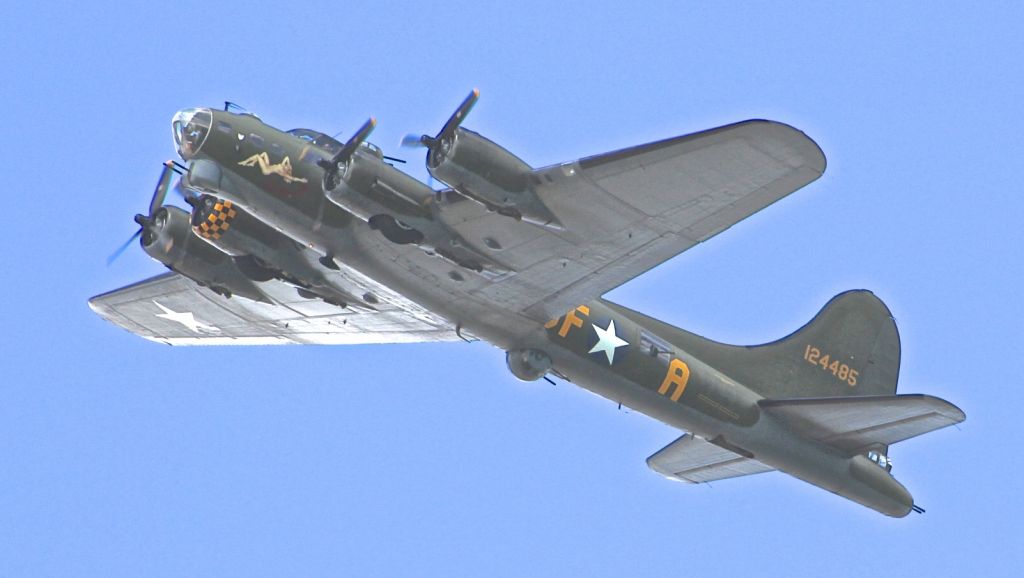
(295, 237)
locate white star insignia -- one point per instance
(185, 318)
(607, 341)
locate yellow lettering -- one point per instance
(571, 320)
(678, 374)
(829, 362)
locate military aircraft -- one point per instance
(295, 237)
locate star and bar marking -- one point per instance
(607, 340)
(677, 374)
(185, 318)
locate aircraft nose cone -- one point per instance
(190, 127)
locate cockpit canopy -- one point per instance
(191, 127)
(329, 143)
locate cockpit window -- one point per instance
(190, 128)
(304, 134)
(328, 143)
(318, 138)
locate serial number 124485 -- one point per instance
(842, 371)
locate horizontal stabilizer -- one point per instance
(694, 460)
(854, 424)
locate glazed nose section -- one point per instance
(190, 128)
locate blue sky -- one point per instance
(122, 457)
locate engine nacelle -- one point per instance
(478, 168)
(169, 239)
(528, 364)
(366, 186)
(261, 252)
(231, 229)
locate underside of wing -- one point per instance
(627, 211)
(855, 424)
(694, 460)
(173, 309)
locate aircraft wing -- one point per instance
(626, 211)
(854, 424)
(694, 460)
(172, 309)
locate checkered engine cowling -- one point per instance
(214, 225)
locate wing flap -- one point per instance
(693, 460)
(854, 424)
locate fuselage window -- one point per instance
(881, 459)
(256, 140)
(223, 127)
(654, 346)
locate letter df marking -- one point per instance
(571, 320)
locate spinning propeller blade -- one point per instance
(460, 114)
(412, 140)
(353, 143)
(160, 193)
(332, 174)
(113, 256)
(159, 196)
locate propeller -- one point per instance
(146, 221)
(124, 247)
(332, 167)
(444, 138)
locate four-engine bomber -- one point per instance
(295, 237)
